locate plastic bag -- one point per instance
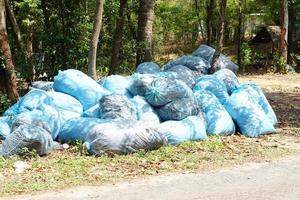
(28, 137)
(196, 64)
(190, 129)
(148, 68)
(117, 85)
(80, 86)
(64, 101)
(229, 78)
(214, 85)
(178, 109)
(34, 99)
(118, 138)
(93, 112)
(257, 94)
(47, 118)
(184, 74)
(140, 83)
(43, 85)
(165, 90)
(248, 114)
(145, 113)
(76, 129)
(5, 127)
(207, 53)
(116, 106)
(218, 121)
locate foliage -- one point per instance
(279, 64)
(246, 54)
(5, 103)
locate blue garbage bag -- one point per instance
(164, 90)
(5, 127)
(178, 109)
(248, 114)
(145, 113)
(218, 121)
(196, 64)
(140, 83)
(64, 101)
(121, 138)
(148, 68)
(46, 117)
(184, 74)
(214, 85)
(35, 98)
(43, 85)
(115, 106)
(257, 94)
(207, 53)
(80, 86)
(117, 85)
(76, 129)
(229, 78)
(28, 137)
(93, 112)
(190, 129)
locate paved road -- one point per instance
(278, 180)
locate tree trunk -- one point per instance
(64, 53)
(197, 7)
(284, 23)
(239, 35)
(9, 70)
(209, 10)
(92, 71)
(14, 24)
(144, 32)
(46, 13)
(220, 36)
(115, 54)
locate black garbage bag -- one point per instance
(119, 138)
(184, 74)
(178, 109)
(115, 106)
(27, 137)
(164, 90)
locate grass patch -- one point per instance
(72, 167)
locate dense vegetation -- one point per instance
(46, 36)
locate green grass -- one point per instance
(73, 167)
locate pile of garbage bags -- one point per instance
(153, 107)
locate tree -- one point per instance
(9, 69)
(197, 8)
(144, 31)
(239, 33)
(92, 72)
(219, 48)
(209, 10)
(284, 23)
(118, 37)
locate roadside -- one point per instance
(275, 180)
(72, 167)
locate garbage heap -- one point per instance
(123, 114)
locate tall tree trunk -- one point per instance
(284, 23)
(64, 53)
(209, 10)
(14, 23)
(239, 34)
(9, 70)
(92, 72)
(115, 54)
(197, 7)
(220, 36)
(144, 32)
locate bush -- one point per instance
(5, 103)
